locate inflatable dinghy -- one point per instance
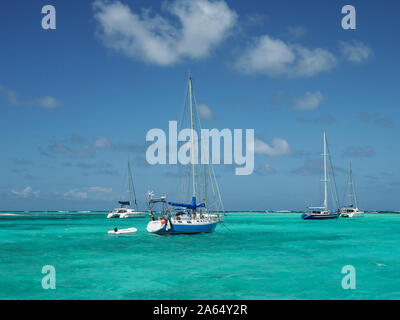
(122, 231)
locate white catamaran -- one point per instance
(193, 217)
(124, 209)
(322, 213)
(351, 210)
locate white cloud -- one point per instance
(102, 143)
(253, 20)
(274, 57)
(267, 55)
(380, 120)
(309, 168)
(47, 102)
(12, 97)
(205, 112)
(296, 31)
(268, 169)
(95, 193)
(278, 147)
(26, 193)
(203, 25)
(310, 101)
(76, 194)
(100, 189)
(312, 61)
(81, 152)
(325, 119)
(359, 152)
(355, 51)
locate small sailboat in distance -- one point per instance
(351, 210)
(124, 209)
(322, 213)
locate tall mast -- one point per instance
(325, 176)
(192, 138)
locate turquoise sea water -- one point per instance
(261, 256)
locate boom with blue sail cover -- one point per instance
(192, 205)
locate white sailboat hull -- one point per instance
(113, 215)
(134, 214)
(351, 214)
(126, 213)
(190, 226)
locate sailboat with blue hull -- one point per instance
(193, 217)
(319, 213)
(322, 213)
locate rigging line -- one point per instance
(123, 184)
(132, 184)
(325, 173)
(351, 193)
(212, 168)
(353, 186)
(202, 150)
(321, 177)
(225, 226)
(345, 189)
(205, 185)
(333, 178)
(181, 172)
(192, 133)
(355, 196)
(212, 188)
(183, 108)
(129, 182)
(216, 204)
(331, 191)
(219, 194)
(331, 186)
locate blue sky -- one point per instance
(75, 100)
